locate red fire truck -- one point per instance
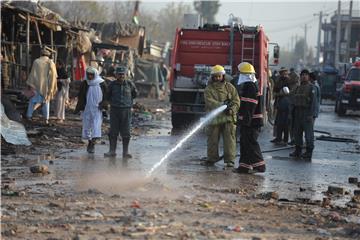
(195, 51)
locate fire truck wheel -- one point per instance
(340, 109)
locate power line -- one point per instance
(292, 26)
(280, 20)
(289, 19)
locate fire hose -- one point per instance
(333, 139)
(265, 151)
(320, 138)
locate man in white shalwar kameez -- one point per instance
(91, 102)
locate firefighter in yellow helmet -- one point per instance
(250, 120)
(219, 92)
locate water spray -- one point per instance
(201, 123)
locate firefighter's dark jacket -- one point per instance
(250, 113)
(80, 106)
(121, 94)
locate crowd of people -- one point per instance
(296, 101)
(48, 82)
(297, 105)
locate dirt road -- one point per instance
(88, 197)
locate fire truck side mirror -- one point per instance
(276, 54)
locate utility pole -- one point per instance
(321, 15)
(338, 30)
(305, 45)
(348, 35)
(326, 42)
(292, 43)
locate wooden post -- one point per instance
(12, 52)
(20, 62)
(72, 66)
(38, 33)
(27, 44)
(52, 43)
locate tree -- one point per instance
(160, 25)
(286, 59)
(299, 49)
(170, 18)
(121, 11)
(207, 9)
(310, 59)
(86, 11)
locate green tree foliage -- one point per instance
(207, 9)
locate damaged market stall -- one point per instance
(125, 44)
(148, 78)
(26, 27)
(107, 66)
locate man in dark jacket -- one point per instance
(282, 110)
(278, 84)
(250, 121)
(121, 93)
(303, 99)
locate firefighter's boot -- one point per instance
(260, 169)
(307, 155)
(91, 146)
(296, 153)
(126, 154)
(112, 147)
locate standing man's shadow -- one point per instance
(114, 163)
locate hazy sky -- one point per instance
(282, 20)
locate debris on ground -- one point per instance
(39, 169)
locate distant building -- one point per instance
(329, 44)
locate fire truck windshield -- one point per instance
(354, 75)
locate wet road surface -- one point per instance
(332, 164)
(92, 197)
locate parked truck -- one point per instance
(348, 95)
(195, 51)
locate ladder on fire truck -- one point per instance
(248, 53)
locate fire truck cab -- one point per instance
(195, 51)
(348, 95)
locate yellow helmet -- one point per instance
(246, 68)
(217, 69)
